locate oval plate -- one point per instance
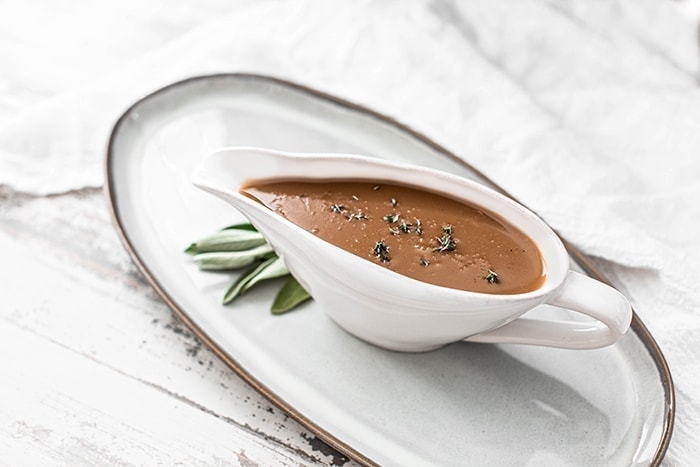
(481, 404)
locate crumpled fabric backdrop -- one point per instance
(588, 113)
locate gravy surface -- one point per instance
(419, 234)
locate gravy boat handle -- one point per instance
(581, 294)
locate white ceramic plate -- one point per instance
(465, 403)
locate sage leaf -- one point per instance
(239, 246)
(291, 295)
(235, 289)
(243, 226)
(227, 240)
(270, 269)
(224, 260)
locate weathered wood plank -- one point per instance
(78, 300)
(63, 407)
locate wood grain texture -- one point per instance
(97, 370)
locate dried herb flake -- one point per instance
(491, 277)
(381, 251)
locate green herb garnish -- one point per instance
(229, 239)
(381, 251)
(270, 269)
(291, 295)
(424, 261)
(337, 208)
(392, 218)
(359, 215)
(239, 246)
(227, 260)
(446, 242)
(492, 277)
(405, 227)
(241, 226)
(394, 203)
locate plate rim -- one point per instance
(109, 190)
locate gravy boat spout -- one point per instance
(394, 311)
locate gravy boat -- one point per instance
(399, 313)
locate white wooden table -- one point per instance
(97, 371)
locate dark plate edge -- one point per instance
(637, 325)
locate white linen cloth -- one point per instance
(587, 112)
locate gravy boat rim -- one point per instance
(202, 179)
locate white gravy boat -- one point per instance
(399, 313)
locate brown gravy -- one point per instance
(413, 232)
